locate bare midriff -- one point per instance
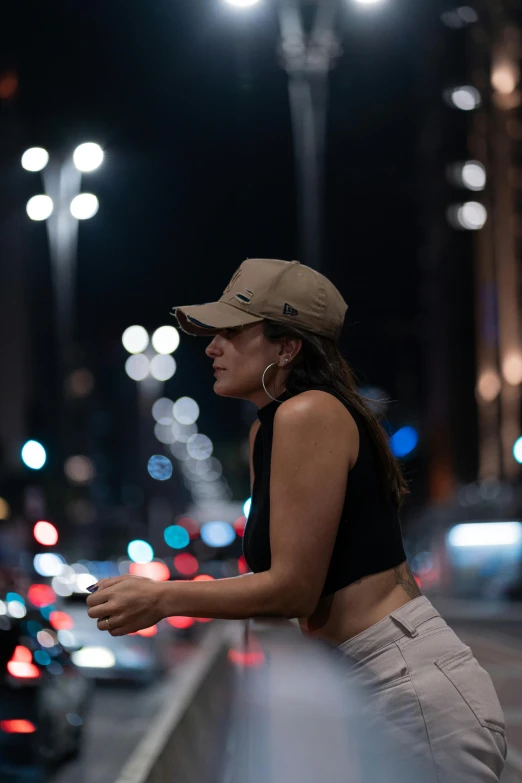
(352, 610)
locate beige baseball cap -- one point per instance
(266, 288)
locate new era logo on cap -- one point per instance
(289, 310)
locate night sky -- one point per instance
(189, 102)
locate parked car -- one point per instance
(44, 697)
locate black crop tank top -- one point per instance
(369, 538)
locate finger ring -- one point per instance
(108, 624)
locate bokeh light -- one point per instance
(61, 621)
(246, 507)
(135, 339)
(186, 564)
(140, 551)
(146, 632)
(164, 433)
(159, 467)
(488, 386)
(163, 411)
(45, 533)
(35, 159)
(517, 450)
(162, 367)
(39, 207)
(5, 509)
(186, 410)
(79, 469)
(33, 455)
(165, 339)
(239, 526)
(474, 175)
(48, 564)
(465, 98)
(485, 534)
(199, 446)
(177, 621)
(176, 536)
(137, 367)
(158, 571)
(404, 441)
(472, 215)
(88, 156)
(84, 206)
(217, 534)
(41, 595)
(94, 657)
(512, 368)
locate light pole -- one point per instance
(308, 57)
(62, 206)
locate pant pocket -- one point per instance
(475, 686)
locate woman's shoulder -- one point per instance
(315, 406)
(311, 401)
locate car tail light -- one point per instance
(21, 665)
(17, 726)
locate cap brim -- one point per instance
(207, 319)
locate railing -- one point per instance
(261, 703)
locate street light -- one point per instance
(62, 206)
(39, 207)
(88, 157)
(84, 206)
(35, 159)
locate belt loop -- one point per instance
(405, 625)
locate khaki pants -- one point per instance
(438, 705)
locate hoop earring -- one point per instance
(263, 380)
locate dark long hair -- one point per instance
(320, 363)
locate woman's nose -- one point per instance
(212, 349)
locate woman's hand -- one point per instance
(130, 602)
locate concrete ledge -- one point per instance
(181, 743)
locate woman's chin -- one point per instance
(225, 389)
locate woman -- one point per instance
(323, 538)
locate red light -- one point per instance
(23, 670)
(154, 570)
(203, 578)
(180, 622)
(61, 621)
(22, 653)
(20, 664)
(239, 526)
(41, 595)
(147, 632)
(246, 658)
(242, 565)
(190, 525)
(417, 579)
(18, 726)
(186, 564)
(45, 533)
(203, 619)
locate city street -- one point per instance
(118, 719)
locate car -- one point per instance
(134, 658)
(44, 696)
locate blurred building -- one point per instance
(469, 178)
